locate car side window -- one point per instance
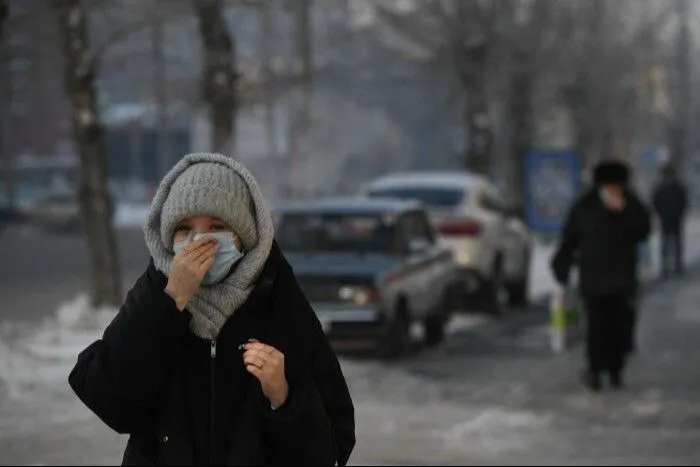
(403, 234)
(425, 228)
(411, 227)
(492, 201)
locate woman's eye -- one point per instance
(182, 229)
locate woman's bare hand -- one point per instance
(189, 268)
(267, 364)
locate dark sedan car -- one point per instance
(372, 269)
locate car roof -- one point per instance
(348, 206)
(455, 179)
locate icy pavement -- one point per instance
(492, 396)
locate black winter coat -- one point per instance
(183, 404)
(604, 244)
(670, 202)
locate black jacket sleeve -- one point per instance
(638, 218)
(683, 195)
(657, 199)
(118, 377)
(563, 259)
(316, 426)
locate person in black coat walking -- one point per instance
(216, 357)
(670, 203)
(602, 234)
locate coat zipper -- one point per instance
(212, 408)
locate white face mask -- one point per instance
(226, 257)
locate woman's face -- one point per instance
(200, 225)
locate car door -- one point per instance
(514, 243)
(492, 207)
(440, 268)
(518, 237)
(415, 262)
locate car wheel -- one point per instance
(518, 291)
(397, 339)
(436, 323)
(434, 330)
(495, 290)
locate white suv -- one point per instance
(490, 242)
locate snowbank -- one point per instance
(40, 358)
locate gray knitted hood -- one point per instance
(212, 306)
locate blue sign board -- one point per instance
(552, 184)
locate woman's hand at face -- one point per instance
(189, 268)
(267, 364)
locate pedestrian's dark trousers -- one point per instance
(608, 333)
(672, 249)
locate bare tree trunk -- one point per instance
(679, 143)
(583, 97)
(501, 71)
(472, 63)
(136, 168)
(300, 102)
(7, 157)
(219, 77)
(95, 204)
(4, 13)
(525, 52)
(523, 116)
(305, 53)
(160, 97)
(268, 79)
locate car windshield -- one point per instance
(334, 232)
(434, 197)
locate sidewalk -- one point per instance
(503, 398)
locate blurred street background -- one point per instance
(489, 112)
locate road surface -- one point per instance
(41, 270)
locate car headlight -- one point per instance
(462, 257)
(360, 295)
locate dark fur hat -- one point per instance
(611, 172)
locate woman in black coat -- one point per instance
(216, 357)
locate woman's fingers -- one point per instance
(255, 360)
(255, 371)
(267, 349)
(196, 247)
(202, 255)
(207, 263)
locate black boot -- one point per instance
(592, 381)
(616, 381)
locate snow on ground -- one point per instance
(130, 215)
(36, 359)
